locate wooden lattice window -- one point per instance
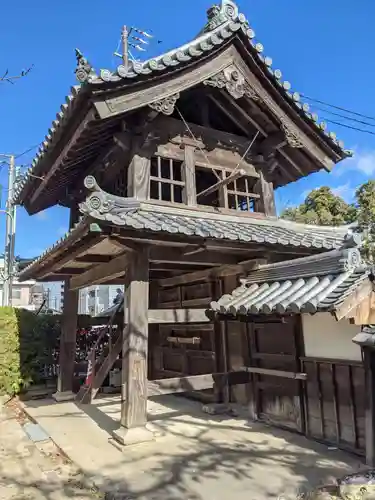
(166, 180)
(236, 195)
(240, 193)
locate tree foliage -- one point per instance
(323, 207)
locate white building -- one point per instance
(96, 299)
(28, 294)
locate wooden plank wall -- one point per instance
(275, 345)
(335, 402)
(184, 349)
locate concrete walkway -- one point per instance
(34, 472)
(195, 456)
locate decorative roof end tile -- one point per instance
(218, 15)
(84, 71)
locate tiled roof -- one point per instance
(131, 213)
(53, 135)
(305, 285)
(223, 23)
(72, 236)
(165, 220)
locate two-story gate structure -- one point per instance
(169, 167)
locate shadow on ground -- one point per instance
(200, 457)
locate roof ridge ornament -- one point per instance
(220, 14)
(232, 79)
(84, 71)
(106, 206)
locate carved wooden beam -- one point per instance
(232, 80)
(166, 105)
(292, 136)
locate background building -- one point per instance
(28, 294)
(92, 300)
(95, 299)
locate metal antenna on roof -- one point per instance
(136, 41)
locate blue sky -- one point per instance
(324, 48)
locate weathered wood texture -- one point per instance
(135, 343)
(369, 366)
(68, 339)
(273, 345)
(188, 176)
(348, 308)
(185, 357)
(266, 201)
(195, 383)
(186, 296)
(139, 174)
(335, 402)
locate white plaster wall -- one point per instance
(327, 338)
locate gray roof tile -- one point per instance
(224, 23)
(305, 285)
(128, 212)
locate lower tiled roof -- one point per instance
(132, 213)
(296, 287)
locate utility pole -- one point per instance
(125, 47)
(10, 233)
(130, 40)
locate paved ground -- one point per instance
(195, 456)
(34, 472)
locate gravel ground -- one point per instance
(35, 471)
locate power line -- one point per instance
(338, 107)
(345, 125)
(27, 151)
(344, 116)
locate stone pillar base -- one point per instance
(63, 396)
(127, 437)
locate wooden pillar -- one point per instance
(369, 366)
(134, 353)
(188, 175)
(221, 357)
(67, 345)
(266, 203)
(139, 174)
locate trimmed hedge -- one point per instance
(10, 363)
(28, 343)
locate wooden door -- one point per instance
(183, 350)
(275, 345)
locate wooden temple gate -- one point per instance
(169, 168)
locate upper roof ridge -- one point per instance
(223, 22)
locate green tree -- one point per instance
(322, 207)
(365, 202)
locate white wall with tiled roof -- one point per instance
(327, 338)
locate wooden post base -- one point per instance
(63, 396)
(127, 437)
